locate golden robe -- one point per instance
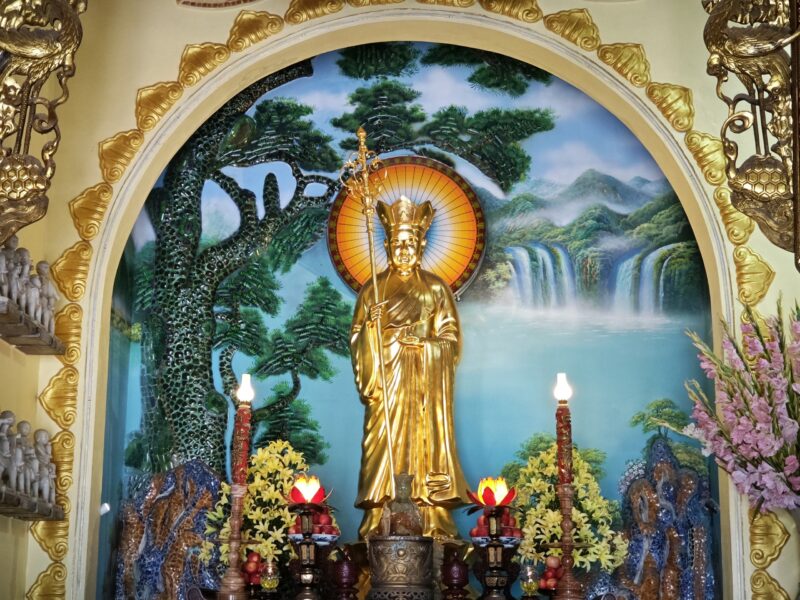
(420, 382)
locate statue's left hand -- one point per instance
(411, 341)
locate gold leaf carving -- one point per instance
(363, 3)
(522, 10)
(68, 330)
(117, 152)
(251, 27)
(71, 269)
(738, 226)
(629, 60)
(300, 11)
(52, 537)
(63, 501)
(674, 102)
(63, 454)
(88, 209)
(753, 275)
(576, 26)
(60, 398)
(198, 60)
(154, 101)
(456, 3)
(768, 536)
(707, 152)
(764, 587)
(50, 584)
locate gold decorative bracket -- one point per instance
(757, 78)
(38, 41)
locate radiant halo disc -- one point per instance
(456, 238)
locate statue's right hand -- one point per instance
(376, 311)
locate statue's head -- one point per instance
(405, 224)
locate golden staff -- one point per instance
(360, 167)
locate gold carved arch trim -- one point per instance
(629, 61)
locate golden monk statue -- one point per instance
(421, 346)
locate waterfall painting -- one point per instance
(590, 268)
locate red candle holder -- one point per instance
(307, 498)
(494, 498)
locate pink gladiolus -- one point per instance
(752, 426)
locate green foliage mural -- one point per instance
(488, 139)
(542, 442)
(491, 71)
(186, 416)
(662, 417)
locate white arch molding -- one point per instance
(477, 30)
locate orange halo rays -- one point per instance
(456, 238)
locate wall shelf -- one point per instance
(19, 330)
(25, 508)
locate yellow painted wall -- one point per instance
(132, 44)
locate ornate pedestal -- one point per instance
(401, 567)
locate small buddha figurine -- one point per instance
(48, 297)
(47, 470)
(405, 517)
(8, 467)
(7, 261)
(19, 278)
(25, 460)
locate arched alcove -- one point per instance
(193, 108)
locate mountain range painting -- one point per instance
(590, 268)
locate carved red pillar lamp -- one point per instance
(569, 588)
(233, 586)
(307, 496)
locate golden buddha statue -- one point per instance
(421, 341)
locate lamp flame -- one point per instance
(307, 490)
(245, 393)
(493, 492)
(563, 390)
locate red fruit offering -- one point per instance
(253, 557)
(483, 521)
(549, 574)
(516, 532)
(316, 529)
(473, 532)
(512, 521)
(543, 584)
(552, 562)
(335, 531)
(507, 531)
(325, 519)
(255, 579)
(250, 567)
(482, 531)
(326, 529)
(505, 520)
(294, 530)
(297, 521)
(560, 572)
(552, 583)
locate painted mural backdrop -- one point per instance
(590, 268)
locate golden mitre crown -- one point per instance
(404, 214)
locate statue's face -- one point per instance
(405, 251)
